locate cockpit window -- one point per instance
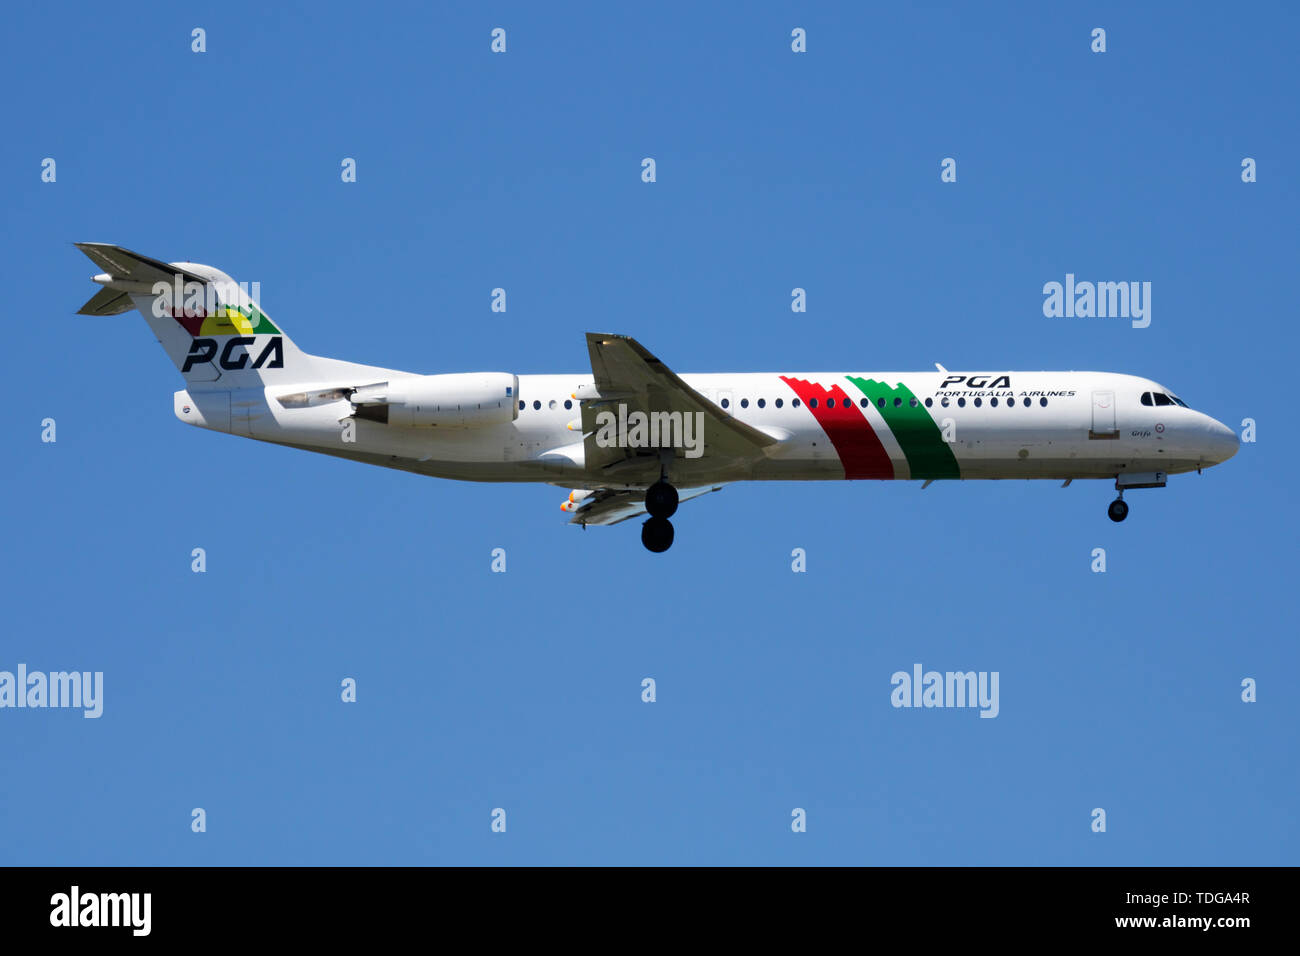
(1162, 398)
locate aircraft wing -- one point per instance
(628, 374)
(607, 506)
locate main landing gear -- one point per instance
(660, 504)
(657, 534)
(1118, 510)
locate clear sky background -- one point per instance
(523, 690)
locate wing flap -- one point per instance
(609, 506)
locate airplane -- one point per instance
(631, 437)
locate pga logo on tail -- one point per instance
(204, 350)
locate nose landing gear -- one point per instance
(1118, 510)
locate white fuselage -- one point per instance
(895, 425)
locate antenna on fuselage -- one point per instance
(941, 368)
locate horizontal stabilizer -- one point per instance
(124, 264)
(107, 302)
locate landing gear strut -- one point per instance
(1118, 510)
(660, 504)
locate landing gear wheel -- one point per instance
(661, 500)
(1118, 510)
(657, 534)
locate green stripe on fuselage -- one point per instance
(928, 455)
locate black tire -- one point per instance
(657, 534)
(661, 500)
(1118, 510)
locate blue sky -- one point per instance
(522, 690)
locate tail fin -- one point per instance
(206, 322)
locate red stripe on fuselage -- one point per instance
(854, 439)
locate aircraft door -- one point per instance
(1103, 416)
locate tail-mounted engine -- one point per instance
(452, 401)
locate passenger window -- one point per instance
(961, 403)
(536, 405)
(1043, 402)
(880, 403)
(779, 403)
(929, 402)
(848, 403)
(726, 403)
(568, 403)
(979, 402)
(993, 402)
(762, 402)
(521, 404)
(897, 402)
(744, 403)
(944, 401)
(812, 403)
(794, 403)
(864, 403)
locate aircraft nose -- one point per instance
(1221, 442)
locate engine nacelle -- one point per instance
(577, 499)
(458, 400)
